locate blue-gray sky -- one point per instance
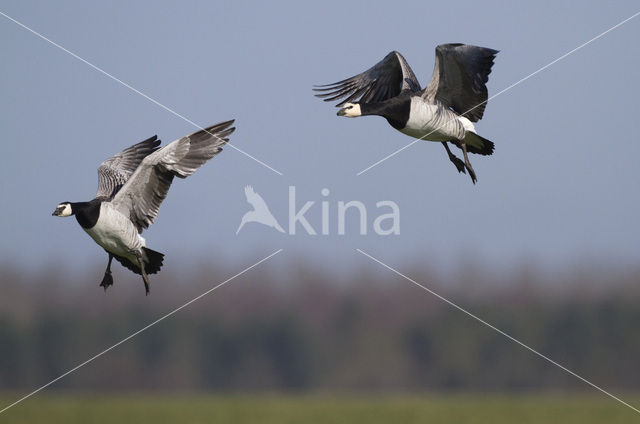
(561, 187)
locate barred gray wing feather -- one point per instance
(459, 79)
(140, 198)
(386, 79)
(114, 172)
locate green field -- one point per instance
(281, 409)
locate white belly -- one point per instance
(434, 122)
(115, 232)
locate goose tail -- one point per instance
(477, 144)
(152, 261)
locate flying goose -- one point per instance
(444, 111)
(131, 187)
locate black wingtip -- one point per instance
(151, 140)
(221, 126)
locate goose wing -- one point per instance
(459, 78)
(114, 172)
(141, 196)
(386, 79)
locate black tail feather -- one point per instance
(476, 144)
(152, 262)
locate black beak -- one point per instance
(342, 112)
(57, 211)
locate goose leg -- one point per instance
(145, 278)
(107, 280)
(453, 158)
(467, 164)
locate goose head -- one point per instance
(350, 110)
(63, 209)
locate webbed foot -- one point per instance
(107, 280)
(459, 164)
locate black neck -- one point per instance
(86, 213)
(78, 206)
(395, 110)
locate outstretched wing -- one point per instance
(386, 79)
(141, 196)
(459, 78)
(114, 172)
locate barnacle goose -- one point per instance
(444, 111)
(131, 187)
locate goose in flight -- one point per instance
(131, 187)
(260, 212)
(444, 111)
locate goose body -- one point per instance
(444, 111)
(433, 122)
(115, 232)
(131, 187)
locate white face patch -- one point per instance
(63, 209)
(351, 110)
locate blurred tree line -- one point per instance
(297, 327)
